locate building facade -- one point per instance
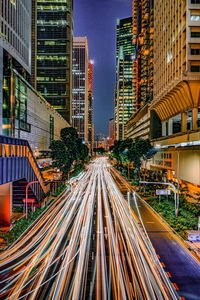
(124, 104)
(143, 39)
(111, 132)
(90, 106)
(143, 34)
(175, 109)
(15, 54)
(42, 122)
(80, 87)
(139, 124)
(52, 31)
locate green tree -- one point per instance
(83, 152)
(140, 150)
(60, 157)
(72, 142)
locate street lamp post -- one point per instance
(178, 188)
(167, 184)
(27, 187)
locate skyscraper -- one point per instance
(80, 87)
(15, 46)
(143, 40)
(124, 104)
(52, 29)
(90, 105)
(143, 29)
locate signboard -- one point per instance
(163, 192)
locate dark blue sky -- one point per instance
(96, 19)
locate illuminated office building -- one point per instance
(15, 46)
(52, 29)
(124, 104)
(80, 87)
(90, 105)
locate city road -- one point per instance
(88, 245)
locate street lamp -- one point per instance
(27, 187)
(168, 184)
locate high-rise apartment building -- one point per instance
(80, 87)
(90, 105)
(124, 104)
(52, 31)
(15, 46)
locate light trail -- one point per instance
(51, 260)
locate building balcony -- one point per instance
(193, 23)
(193, 6)
(194, 40)
(194, 57)
(181, 137)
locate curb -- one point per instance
(184, 242)
(171, 229)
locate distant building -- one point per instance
(52, 31)
(111, 132)
(80, 87)
(124, 104)
(90, 106)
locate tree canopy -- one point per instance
(133, 151)
(67, 150)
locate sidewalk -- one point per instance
(180, 263)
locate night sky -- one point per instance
(96, 19)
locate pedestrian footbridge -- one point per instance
(18, 167)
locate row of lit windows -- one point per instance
(51, 57)
(51, 8)
(52, 23)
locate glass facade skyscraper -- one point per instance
(15, 46)
(124, 104)
(80, 87)
(52, 50)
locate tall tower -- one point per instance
(15, 49)
(124, 104)
(52, 30)
(143, 29)
(90, 105)
(80, 87)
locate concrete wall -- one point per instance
(38, 115)
(6, 204)
(189, 166)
